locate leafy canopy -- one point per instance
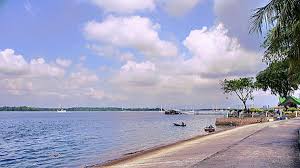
(276, 78)
(282, 18)
(242, 88)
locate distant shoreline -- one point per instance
(28, 108)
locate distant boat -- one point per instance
(179, 125)
(172, 112)
(161, 109)
(61, 110)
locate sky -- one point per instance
(128, 53)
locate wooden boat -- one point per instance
(209, 129)
(179, 125)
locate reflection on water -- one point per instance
(75, 139)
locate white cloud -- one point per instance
(214, 56)
(130, 32)
(172, 7)
(141, 67)
(235, 15)
(162, 83)
(134, 74)
(103, 50)
(13, 64)
(97, 94)
(215, 53)
(21, 77)
(63, 62)
(38, 67)
(110, 51)
(127, 56)
(180, 7)
(124, 6)
(17, 86)
(81, 78)
(39, 79)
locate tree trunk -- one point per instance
(245, 106)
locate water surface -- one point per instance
(77, 139)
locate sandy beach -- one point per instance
(225, 147)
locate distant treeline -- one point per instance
(26, 108)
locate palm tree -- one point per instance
(282, 19)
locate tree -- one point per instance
(242, 87)
(276, 78)
(282, 18)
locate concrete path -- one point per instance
(272, 144)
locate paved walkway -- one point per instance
(272, 144)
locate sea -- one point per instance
(79, 139)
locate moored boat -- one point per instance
(172, 112)
(209, 129)
(61, 110)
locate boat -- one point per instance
(179, 125)
(172, 112)
(209, 129)
(61, 110)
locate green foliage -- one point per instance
(242, 88)
(24, 108)
(256, 110)
(292, 109)
(282, 17)
(276, 78)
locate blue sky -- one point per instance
(54, 28)
(129, 53)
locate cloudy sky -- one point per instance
(129, 53)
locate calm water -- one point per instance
(76, 139)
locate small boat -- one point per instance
(209, 129)
(179, 125)
(172, 112)
(61, 110)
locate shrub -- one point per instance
(256, 110)
(292, 109)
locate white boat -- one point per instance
(61, 110)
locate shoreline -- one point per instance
(152, 150)
(175, 153)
